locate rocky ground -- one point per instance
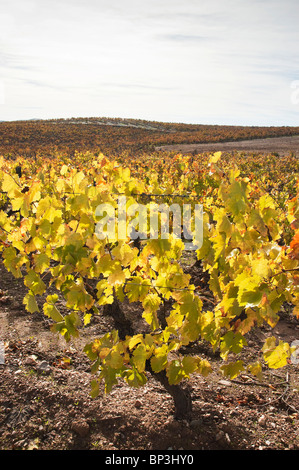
(45, 402)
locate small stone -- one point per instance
(196, 423)
(138, 404)
(80, 427)
(44, 367)
(226, 383)
(219, 435)
(262, 420)
(30, 360)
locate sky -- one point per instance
(232, 62)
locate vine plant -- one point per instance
(250, 252)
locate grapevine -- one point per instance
(250, 254)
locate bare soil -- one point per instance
(45, 402)
(279, 145)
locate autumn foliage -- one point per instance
(250, 254)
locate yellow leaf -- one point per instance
(215, 157)
(87, 318)
(203, 367)
(260, 267)
(256, 370)
(9, 185)
(276, 356)
(117, 277)
(134, 340)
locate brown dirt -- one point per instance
(52, 409)
(279, 145)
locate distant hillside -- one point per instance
(113, 136)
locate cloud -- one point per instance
(181, 38)
(41, 84)
(136, 86)
(10, 60)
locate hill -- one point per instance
(113, 136)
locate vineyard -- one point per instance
(137, 342)
(114, 137)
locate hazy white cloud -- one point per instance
(194, 61)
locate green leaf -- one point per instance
(151, 304)
(231, 342)
(34, 283)
(11, 260)
(175, 372)
(159, 360)
(134, 378)
(91, 351)
(42, 262)
(189, 365)
(190, 306)
(68, 327)
(233, 369)
(178, 370)
(110, 377)
(236, 202)
(95, 389)
(116, 360)
(139, 357)
(137, 289)
(30, 303)
(214, 284)
(79, 299)
(51, 311)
